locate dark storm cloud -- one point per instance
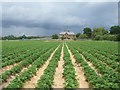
(50, 18)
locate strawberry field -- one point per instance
(59, 64)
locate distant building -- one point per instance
(67, 35)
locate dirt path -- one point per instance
(3, 85)
(91, 65)
(3, 69)
(79, 72)
(11, 77)
(58, 81)
(33, 81)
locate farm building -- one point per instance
(67, 35)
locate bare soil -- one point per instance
(3, 69)
(58, 81)
(33, 81)
(12, 77)
(79, 72)
(91, 65)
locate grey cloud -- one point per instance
(49, 18)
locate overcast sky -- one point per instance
(40, 18)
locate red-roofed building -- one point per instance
(67, 35)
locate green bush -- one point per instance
(98, 37)
(106, 37)
(83, 36)
(110, 37)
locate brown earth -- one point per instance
(11, 77)
(58, 81)
(3, 69)
(33, 81)
(79, 72)
(91, 65)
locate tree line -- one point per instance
(97, 34)
(100, 34)
(12, 37)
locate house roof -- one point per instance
(68, 32)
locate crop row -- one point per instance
(15, 55)
(111, 57)
(93, 79)
(12, 48)
(18, 82)
(113, 64)
(46, 80)
(109, 78)
(29, 60)
(69, 71)
(20, 58)
(108, 74)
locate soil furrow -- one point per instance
(58, 81)
(91, 65)
(79, 72)
(3, 69)
(33, 81)
(11, 77)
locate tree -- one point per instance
(77, 35)
(115, 30)
(9, 37)
(62, 38)
(83, 36)
(87, 31)
(99, 31)
(55, 36)
(118, 37)
(98, 37)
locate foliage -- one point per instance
(87, 31)
(12, 37)
(98, 37)
(115, 30)
(83, 36)
(69, 71)
(103, 55)
(110, 37)
(104, 62)
(99, 31)
(46, 79)
(77, 35)
(62, 38)
(55, 36)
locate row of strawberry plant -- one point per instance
(112, 52)
(93, 79)
(69, 71)
(111, 57)
(30, 50)
(46, 79)
(19, 81)
(19, 58)
(16, 55)
(12, 48)
(108, 47)
(111, 63)
(109, 77)
(24, 63)
(107, 73)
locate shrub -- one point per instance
(98, 37)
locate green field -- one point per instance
(59, 64)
